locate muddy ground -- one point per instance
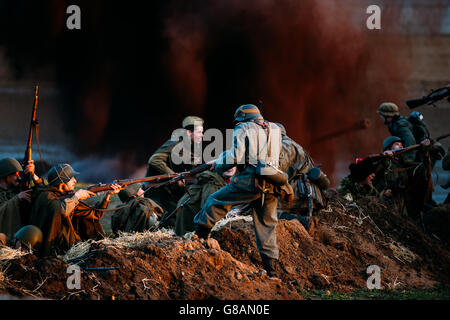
(334, 255)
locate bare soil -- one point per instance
(334, 255)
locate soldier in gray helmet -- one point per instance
(14, 203)
(413, 131)
(138, 213)
(29, 237)
(167, 160)
(391, 177)
(256, 151)
(306, 179)
(62, 214)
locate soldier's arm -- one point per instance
(236, 154)
(158, 163)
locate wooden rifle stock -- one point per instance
(27, 178)
(100, 187)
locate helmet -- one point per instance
(9, 166)
(247, 112)
(30, 236)
(61, 173)
(389, 141)
(388, 109)
(283, 129)
(129, 192)
(192, 121)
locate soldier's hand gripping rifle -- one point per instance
(100, 187)
(26, 179)
(182, 176)
(430, 99)
(376, 157)
(179, 177)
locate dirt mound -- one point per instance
(334, 255)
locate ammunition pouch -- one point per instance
(285, 192)
(271, 174)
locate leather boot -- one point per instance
(269, 266)
(201, 231)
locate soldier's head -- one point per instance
(362, 171)
(387, 111)
(131, 192)
(247, 112)
(392, 143)
(194, 128)
(9, 172)
(63, 177)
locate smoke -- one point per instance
(133, 72)
(315, 70)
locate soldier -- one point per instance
(207, 183)
(412, 131)
(359, 183)
(399, 126)
(391, 178)
(138, 214)
(163, 162)
(296, 162)
(14, 204)
(256, 146)
(62, 215)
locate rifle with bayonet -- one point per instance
(27, 179)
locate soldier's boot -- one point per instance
(269, 266)
(201, 231)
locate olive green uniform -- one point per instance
(392, 174)
(136, 215)
(13, 212)
(64, 219)
(161, 162)
(207, 183)
(349, 187)
(296, 162)
(402, 128)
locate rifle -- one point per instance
(100, 187)
(376, 157)
(434, 96)
(182, 176)
(26, 179)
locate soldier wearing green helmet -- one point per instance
(400, 127)
(256, 147)
(413, 131)
(137, 214)
(165, 160)
(297, 163)
(14, 203)
(391, 177)
(62, 214)
(29, 236)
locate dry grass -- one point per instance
(124, 240)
